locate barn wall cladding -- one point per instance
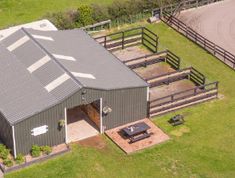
(6, 132)
(127, 105)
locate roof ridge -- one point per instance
(52, 57)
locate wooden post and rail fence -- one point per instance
(130, 37)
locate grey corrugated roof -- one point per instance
(91, 58)
(21, 93)
(24, 93)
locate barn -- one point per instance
(62, 86)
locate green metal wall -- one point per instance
(6, 132)
(127, 105)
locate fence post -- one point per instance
(123, 40)
(105, 40)
(233, 61)
(195, 91)
(156, 48)
(142, 35)
(224, 56)
(172, 98)
(186, 31)
(214, 49)
(217, 86)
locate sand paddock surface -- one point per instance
(216, 22)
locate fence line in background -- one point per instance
(217, 51)
(130, 37)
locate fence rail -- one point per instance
(183, 5)
(186, 73)
(162, 56)
(173, 60)
(217, 51)
(130, 37)
(198, 90)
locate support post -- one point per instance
(14, 141)
(123, 40)
(156, 48)
(101, 116)
(105, 41)
(66, 125)
(142, 35)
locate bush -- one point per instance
(4, 152)
(46, 149)
(99, 12)
(90, 14)
(8, 162)
(35, 151)
(64, 20)
(19, 159)
(85, 15)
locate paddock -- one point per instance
(215, 21)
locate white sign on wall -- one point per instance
(39, 130)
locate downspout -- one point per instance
(14, 142)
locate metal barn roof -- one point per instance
(41, 68)
(43, 25)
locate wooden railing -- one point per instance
(169, 77)
(189, 73)
(162, 56)
(183, 5)
(97, 26)
(217, 51)
(185, 94)
(146, 60)
(130, 37)
(173, 60)
(197, 77)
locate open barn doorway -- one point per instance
(83, 121)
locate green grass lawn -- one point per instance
(23, 11)
(203, 147)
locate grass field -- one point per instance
(203, 147)
(23, 11)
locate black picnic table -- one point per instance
(139, 129)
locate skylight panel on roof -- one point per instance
(83, 75)
(38, 64)
(69, 58)
(18, 43)
(57, 82)
(43, 37)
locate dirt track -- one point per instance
(216, 22)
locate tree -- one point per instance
(85, 15)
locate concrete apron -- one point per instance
(1, 174)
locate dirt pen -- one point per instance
(170, 87)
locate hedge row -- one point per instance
(90, 14)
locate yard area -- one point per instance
(14, 12)
(203, 147)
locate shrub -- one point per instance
(4, 152)
(2, 147)
(85, 15)
(35, 151)
(99, 12)
(8, 162)
(63, 20)
(46, 149)
(19, 159)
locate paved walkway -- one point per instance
(157, 137)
